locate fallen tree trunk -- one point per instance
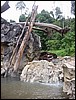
(54, 27)
(37, 28)
(51, 26)
(25, 39)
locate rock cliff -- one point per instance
(9, 37)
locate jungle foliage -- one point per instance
(56, 43)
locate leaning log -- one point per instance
(25, 39)
(13, 56)
(4, 7)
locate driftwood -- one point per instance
(52, 26)
(41, 29)
(4, 7)
(47, 56)
(45, 27)
(25, 39)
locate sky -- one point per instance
(12, 13)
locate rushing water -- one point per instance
(12, 88)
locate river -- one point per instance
(13, 88)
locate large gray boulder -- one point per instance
(40, 71)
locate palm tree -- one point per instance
(20, 5)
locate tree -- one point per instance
(51, 12)
(22, 18)
(63, 45)
(58, 13)
(73, 7)
(45, 17)
(20, 5)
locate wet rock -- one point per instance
(10, 33)
(67, 57)
(69, 78)
(55, 61)
(2, 71)
(2, 64)
(61, 77)
(40, 71)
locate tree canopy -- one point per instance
(56, 43)
(58, 13)
(22, 18)
(20, 5)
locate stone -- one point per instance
(10, 33)
(40, 71)
(61, 76)
(2, 71)
(2, 64)
(69, 78)
(67, 57)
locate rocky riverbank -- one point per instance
(46, 69)
(61, 69)
(52, 72)
(69, 79)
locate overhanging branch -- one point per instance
(44, 26)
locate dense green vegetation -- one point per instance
(56, 43)
(22, 18)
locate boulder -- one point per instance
(69, 78)
(10, 33)
(40, 71)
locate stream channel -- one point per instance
(13, 88)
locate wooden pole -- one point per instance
(25, 39)
(11, 61)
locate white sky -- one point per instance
(14, 14)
